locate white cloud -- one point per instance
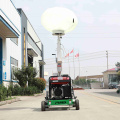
(111, 18)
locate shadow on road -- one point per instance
(15, 108)
(53, 109)
(57, 109)
(37, 109)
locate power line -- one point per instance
(81, 54)
(82, 60)
(84, 67)
(85, 37)
(77, 60)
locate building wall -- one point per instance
(31, 38)
(10, 14)
(10, 49)
(36, 61)
(106, 77)
(43, 60)
(33, 34)
(35, 38)
(18, 22)
(23, 29)
(1, 60)
(96, 85)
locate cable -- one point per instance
(82, 67)
(86, 55)
(80, 60)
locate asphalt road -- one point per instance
(94, 105)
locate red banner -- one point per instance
(71, 52)
(77, 55)
(67, 55)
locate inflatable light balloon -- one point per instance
(59, 21)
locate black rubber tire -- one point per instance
(43, 106)
(77, 104)
(74, 105)
(47, 106)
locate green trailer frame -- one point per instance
(60, 102)
(66, 99)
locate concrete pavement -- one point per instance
(94, 105)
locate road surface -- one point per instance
(94, 105)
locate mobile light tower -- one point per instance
(59, 21)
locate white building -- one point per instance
(19, 43)
(108, 76)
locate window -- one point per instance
(112, 77)
(14, 66)
(15, 40)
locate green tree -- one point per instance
(117, 64)
(40, 83)
(83, 82)
(25, 74)
(31, 74)
(80, 82)
(3, 93)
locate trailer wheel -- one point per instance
(43, 106)
(77, 104)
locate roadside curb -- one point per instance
(78, 89)
(36, 95)
(9, 101)
(16, 99)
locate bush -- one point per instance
(25, 74)
(9, 91)
(3, 93)
(40, 83)
(17, 90)
(118, 91)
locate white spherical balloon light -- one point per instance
(59, 20)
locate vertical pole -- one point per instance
(1, 59)
(79, 66)
(86, 76)
(24, 48)
(107, 67)
(59, 56)
(79, 63)
(73, 64)
(107, 58)
(69, 64)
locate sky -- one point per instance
(98, 30)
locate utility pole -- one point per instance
(79, 63)
(107, 58)
(86, 76)
(73, 64)
(69, 63)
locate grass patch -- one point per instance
(10, 98)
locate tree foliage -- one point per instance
(117, 64)
(25, 74)
(3, 93)
(40, 83)
(83, 82)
